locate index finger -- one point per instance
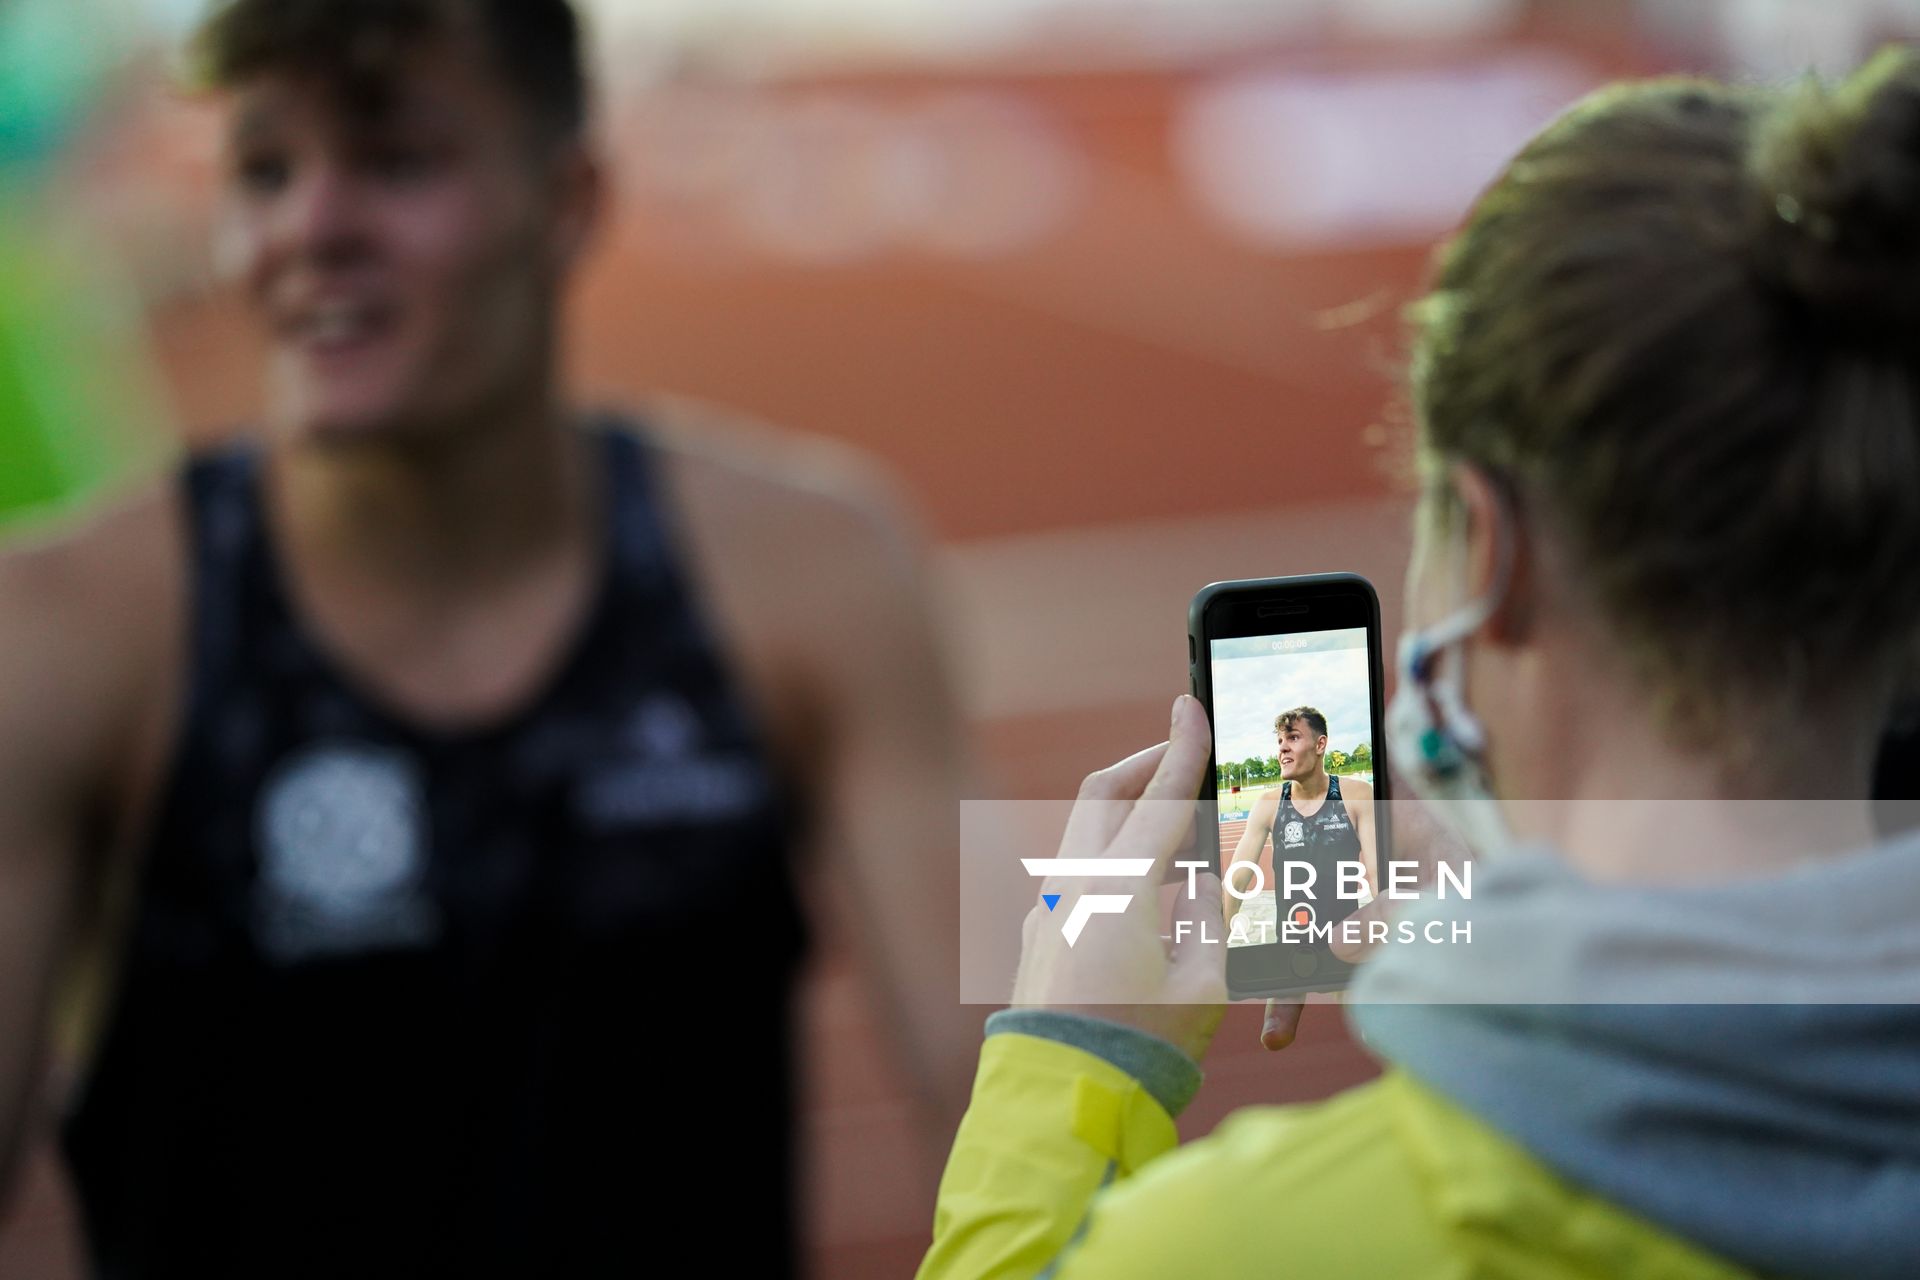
(1164, 819)
(1104, 801)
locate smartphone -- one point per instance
(1289, 670)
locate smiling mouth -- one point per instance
(338, 327)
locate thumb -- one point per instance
(1282, 1022)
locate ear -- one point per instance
(580, 196)
(1492, 530)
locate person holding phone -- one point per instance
(1666, 413)
(398, 811)
(1312, 816)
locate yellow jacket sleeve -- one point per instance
(1050, 1126)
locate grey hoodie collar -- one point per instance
(1739, 1064)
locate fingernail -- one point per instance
(1177, 704)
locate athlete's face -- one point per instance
(405, 264)
(1300, 750)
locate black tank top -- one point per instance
(399, 1002)
(1325, 839)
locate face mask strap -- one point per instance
(1463, 739)
(1469, 617)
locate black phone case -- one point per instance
(1200, 674)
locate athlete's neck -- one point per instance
(1313, 786)
(449, 514)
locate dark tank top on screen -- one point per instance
(1325, 839)
(401, 1002)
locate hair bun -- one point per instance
(1838, 171)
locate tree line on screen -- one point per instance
(1254, 771)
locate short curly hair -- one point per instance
(535, 45)
(1313, 719)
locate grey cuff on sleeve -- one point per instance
(1161, 1068)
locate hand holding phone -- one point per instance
(1125, 971)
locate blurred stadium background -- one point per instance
(1113, 286)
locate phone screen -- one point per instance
(1292, 674)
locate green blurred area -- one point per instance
(53, 55)
(50, 373)
(70, 360)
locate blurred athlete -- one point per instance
(1313, 817)
(432, 782)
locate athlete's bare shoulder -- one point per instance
(762, 479)
(93, 573)
(90, 604)
(1354, 791)
(805, 553)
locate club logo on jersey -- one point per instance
(668, 773)
(343, 849)
(664, 727)
(1294, 833)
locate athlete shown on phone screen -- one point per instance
(1312, 816)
